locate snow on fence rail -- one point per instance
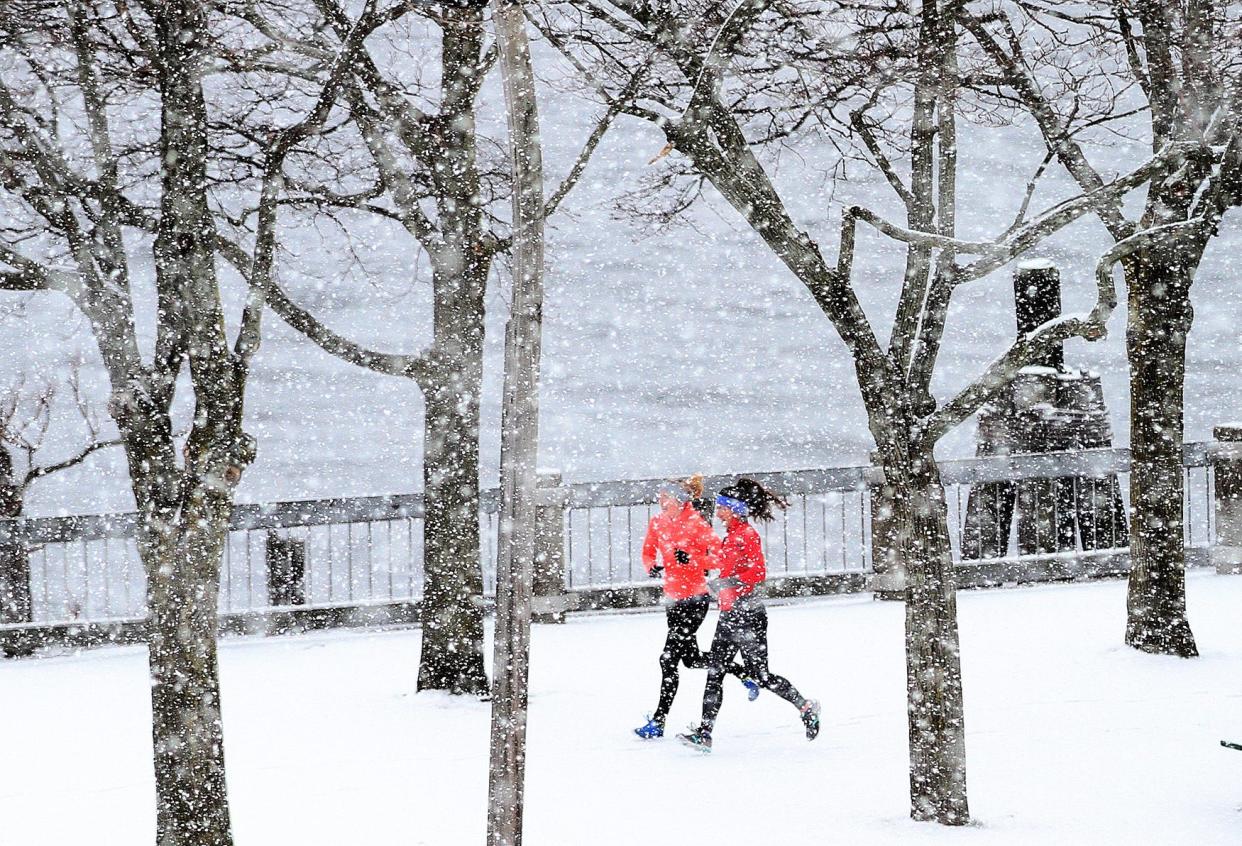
(353, 554)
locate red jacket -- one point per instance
(740, 558)
(683, 529)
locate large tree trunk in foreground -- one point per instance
(452, 610)
(184, 535)
(933, 663)
(185, 683)
(1160, 316)
(452, 647)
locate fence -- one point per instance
(356, 560)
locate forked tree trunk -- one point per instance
(184, 534)
(933, 663)
(1160, 316)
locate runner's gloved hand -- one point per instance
(682, 556)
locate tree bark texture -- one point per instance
(936, 720)
(519, 438)
(183, 538)
(15, 599)
(452, 645)
(1160, 317)
(452, 610)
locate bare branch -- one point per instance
(712, 67)
(390, 364)
(249, 336)
(36, 473)
(30, 275)
(859, 122)
(614, 108)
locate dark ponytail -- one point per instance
(759, 500)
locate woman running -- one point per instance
(743, 623)
(681, 546)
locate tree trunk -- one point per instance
(15, 601)
(187, 730)
(933, 664)
(519, 438)
(452, 650)
(1160, 316)
(184, 535)
(452, 610)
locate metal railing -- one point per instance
(362, 552)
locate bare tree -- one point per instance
(91, 185)
(790, 68)
(26, 417)
(1179, 67)
(431, 172)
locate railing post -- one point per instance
(286, 570)
(1227, 473)
(15, 599)
(550, 598)
(888, 579)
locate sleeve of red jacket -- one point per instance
(649, 547)
(753, 570)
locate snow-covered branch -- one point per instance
(1034, 345)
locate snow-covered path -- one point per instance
(1072, 739)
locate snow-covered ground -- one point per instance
(1071, 738)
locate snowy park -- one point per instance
(599, 421)
(1072, 738)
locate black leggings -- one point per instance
(745, 629)
(681, 646)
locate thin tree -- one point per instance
(519, 436)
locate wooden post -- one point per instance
(1037, 298)
(1227, 473)
(519, 438)
(551, 599)
(989, 505)
(286, 570)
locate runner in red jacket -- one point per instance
(681, 546)
(743, 624)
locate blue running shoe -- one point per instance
(752, 689)
(651, 731)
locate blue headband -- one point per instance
(738, 507)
